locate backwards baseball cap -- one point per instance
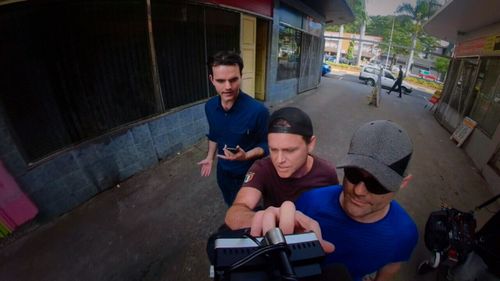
(297, 122)
(383, 149)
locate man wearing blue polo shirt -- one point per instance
(237, 126)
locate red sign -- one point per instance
(484, 46)
(470, 48)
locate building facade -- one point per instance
(370, 46)
(96, 91)
(472, 87)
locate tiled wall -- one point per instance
(62, 183)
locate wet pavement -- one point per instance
(154, 226)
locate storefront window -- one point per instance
(486, 110)
(312, 26)
(289, 53)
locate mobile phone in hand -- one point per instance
(232, 149)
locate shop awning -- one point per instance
(329, 11)
(458, 17)
(334, 11)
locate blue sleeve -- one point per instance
(301, 203)
(408, 243)
(261, 130)
(408, 233)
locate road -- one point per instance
(351, 77)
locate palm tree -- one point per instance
(362, 19)
(419, 14)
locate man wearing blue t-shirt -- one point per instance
(371, 232)
(237, 126)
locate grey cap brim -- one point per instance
(385, 175)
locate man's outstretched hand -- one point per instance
(290, 221)
(206, 167)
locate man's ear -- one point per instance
(311, 145)
(211, 78)
(406, 181)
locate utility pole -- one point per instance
(390, 43)
(339, 45)
(361, 34)
(360, 46)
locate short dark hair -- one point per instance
(225, 58)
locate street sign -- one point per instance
(463, 131)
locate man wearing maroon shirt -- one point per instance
(289, 170)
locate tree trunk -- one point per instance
(394, 59)
(360, 45)
(410, 59)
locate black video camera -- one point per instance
(237, 256)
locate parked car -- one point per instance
(341, 60)
(426, 74)
(332, 58)
(325, 69)
(329, 58)
(346, 61)
(369, 74)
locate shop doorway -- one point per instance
(458, 103)
(248, 45)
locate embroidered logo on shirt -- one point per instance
(249, 177)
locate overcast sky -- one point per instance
(384, 7)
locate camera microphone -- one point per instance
(275, 237)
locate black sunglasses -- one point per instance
(355, 176)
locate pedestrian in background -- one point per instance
(237, 125)
(398, 82)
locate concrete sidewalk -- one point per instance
(154, 226)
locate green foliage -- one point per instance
(424, 83)
(442, 64)
(418, 15)
(360, 16)
(379, 26)
(350, 51)
(341, 66)
(426, 43)
(382, 26)
(410, 20)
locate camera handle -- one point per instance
(275, 237)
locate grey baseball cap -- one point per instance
(383, 149)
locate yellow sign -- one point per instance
(463, 131)
(492, 44)
(483, 46)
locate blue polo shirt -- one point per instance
(245, 124)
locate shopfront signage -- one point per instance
(463, 131)
(484, 46)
